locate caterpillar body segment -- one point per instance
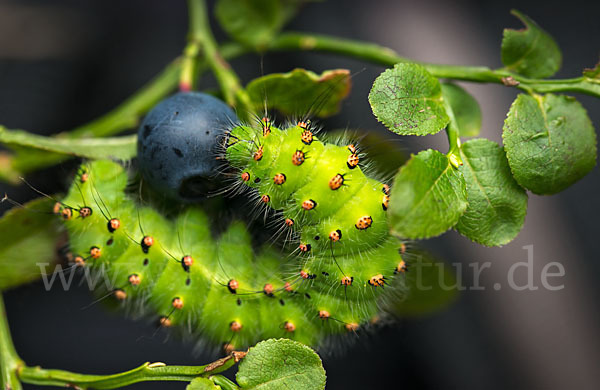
(220, 290)
(338, 213)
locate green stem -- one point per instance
(128, 113)
(145, 372)
(225, 383)
(125, 116)
(229, 82)
(189, 67)
(9, 360)
(388, 57)
(453, 138)
(13, 370)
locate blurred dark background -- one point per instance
(63, 63)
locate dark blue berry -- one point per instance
(179, 142)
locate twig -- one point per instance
(9, 360)
(200, 31)
(143, 373)
(388, 57)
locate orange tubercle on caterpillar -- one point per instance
(347, 280)
(186, 262)
(266, 123)
(385, 203)
(364, 222)
(95, 252)
(335, 236)
(336, 182)
(113, 225)
(85, 212)
(279, 179)
(351, 327)
(67, 213)
(289, 327)
(324, 314)
(268, 289)
(304, 247)
(120, 294)
(146, 243)
(298, 157)
(377, 280)
(402, 267)
(79, 261)
(289, 222)
(309, 204)
(177, 303)
(245, 176)
(134, 279)
(258, 154)
(265, 198)
(165, 322)
(235, 326)
(233, 285)
(307, 137)
(352, 161)
(386, 189)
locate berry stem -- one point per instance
(9, 360)
(200, 32)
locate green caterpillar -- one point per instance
(338, 212)
(222, 291)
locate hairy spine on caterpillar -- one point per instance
(175, 272)
(348, 256)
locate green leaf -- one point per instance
(255, 22)
(465, 108)
(428, 196)
(29, 236)
(201, 384)
(430, 286)
(281, 364)
(119, 148)
(531, 51)
(301, 91)
(407, 99)
(550, 142)
(497, 203)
